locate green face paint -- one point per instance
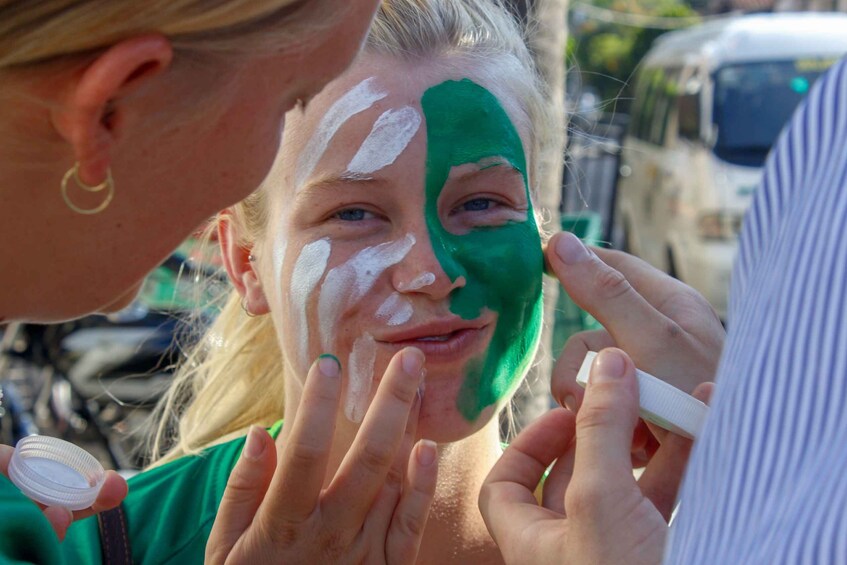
(502, 265)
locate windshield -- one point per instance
(753, 101)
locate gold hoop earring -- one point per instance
(107, 184)
(246, 310)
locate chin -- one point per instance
(443, 423)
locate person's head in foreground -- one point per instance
(125, 124)
(398, 213)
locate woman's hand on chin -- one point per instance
(275, 508)
(593, 509)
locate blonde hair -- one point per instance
(234, 376)
(36, 32)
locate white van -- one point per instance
(709, 103)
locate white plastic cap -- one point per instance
(662, 404)
(55, 472)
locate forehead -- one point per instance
(380, 84)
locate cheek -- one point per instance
(503, 267)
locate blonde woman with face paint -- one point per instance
(396, 241)
(123, 125)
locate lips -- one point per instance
(442, 340)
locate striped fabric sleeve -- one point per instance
(766, 482)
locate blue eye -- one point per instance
(477, 204)
(351, 215)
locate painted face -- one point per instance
(502, 263)
(411, 224)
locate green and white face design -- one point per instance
(385, 237)
(503, 265)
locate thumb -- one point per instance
(244, 493)
(603, 291)
(604, 427)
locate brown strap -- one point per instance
(114, 540)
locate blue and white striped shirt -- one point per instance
(767, 482)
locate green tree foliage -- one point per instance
(605, 55)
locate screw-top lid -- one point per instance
(661, 403)
(55, 472)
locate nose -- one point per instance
(421, 272)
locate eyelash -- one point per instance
(492, 204)
(339, 215)
(487, 201)
(362, 213)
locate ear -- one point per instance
(240, 269)
(92, 108)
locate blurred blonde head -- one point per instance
(36, 32)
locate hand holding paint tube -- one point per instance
(667, 328)
(660, 403)
(589, 491)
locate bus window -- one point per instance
(753, 101)
(688, 116)
(666, 94)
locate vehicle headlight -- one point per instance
(722, 225)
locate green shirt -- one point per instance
(25, 534)
(170, 511)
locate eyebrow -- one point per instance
(335, 182)
(502, 165)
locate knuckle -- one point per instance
(375, 457)
(239, 484)
(303, 455)
(335, 544)
(403, 391)
(325, 395)
(600, 413)
(394, 478)
(671, 330)
(410, 525)
(610, 283)
(277, 532)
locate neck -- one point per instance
(455, 532)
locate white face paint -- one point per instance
(419, 282)
(308, 270)
(347, 283)
(396, 310)
(390, 135)
(279, 247)
(358, 99)
(361, 370)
